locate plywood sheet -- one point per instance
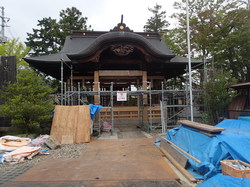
(73, 122)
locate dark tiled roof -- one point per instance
(153, 46)
(83, 44)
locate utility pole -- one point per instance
(4, 19)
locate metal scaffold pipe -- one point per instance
(61, 81)
(189, 64)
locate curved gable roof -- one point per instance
(152, 46)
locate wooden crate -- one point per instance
(231, 171)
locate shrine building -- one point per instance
(126, 59)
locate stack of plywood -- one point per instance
(71, 124)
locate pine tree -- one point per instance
(49, 37)
(157, 22)
(27, 101)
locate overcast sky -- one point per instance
(102, 15)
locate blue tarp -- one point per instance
(221, 180)
(244, 118)
(236, 138)
(211, 150)
(94, 109)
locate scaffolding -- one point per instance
(172, 106)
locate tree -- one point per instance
(71, 19)
(27, 101)
(217, 96)
(14, 48)
(44, 40)
(232, 52)
(218, 31)
(49, 37)
(157, 22)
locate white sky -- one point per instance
(102, 15)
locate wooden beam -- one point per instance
(119, 73)
(144, 86)
(201, 126)
(83, 77)
(178, 166)
(156, 77)
(190, 156)
(120, 78)
(179, 157)
(96, 87)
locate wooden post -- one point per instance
(152, 83)
(68, 82)
(137, 86)
(165, 83)
(83, 82)
(96, 87)
(144, 86)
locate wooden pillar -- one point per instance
(152, 83)
(144, 86)
(164, 83)
(137, 86)
(83, 82)
(96, 87)
(68, 83)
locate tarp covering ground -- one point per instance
(221, 180)
(231, 144)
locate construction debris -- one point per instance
(15, 149)
(51, 143)
(10, 143)
(206, 154)
(21, 153)
(39, 141)
(238, 165)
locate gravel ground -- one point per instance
(65, 151)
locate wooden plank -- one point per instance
(178, 166)
(83, 127)
(207, 134)
(71, 122)
(190, 156)
(67, 139)
(201, 126)
(180, 158)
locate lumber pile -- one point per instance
(169, 150)
(177, 155)
(71, 124)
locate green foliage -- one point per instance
(157, 22)
(44, 40)
(71, 19)
(14, 48)
(219, 34)
(49, 37)
(27, 101)
(217, 96)
(232, 52)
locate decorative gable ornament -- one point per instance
(122, 49)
